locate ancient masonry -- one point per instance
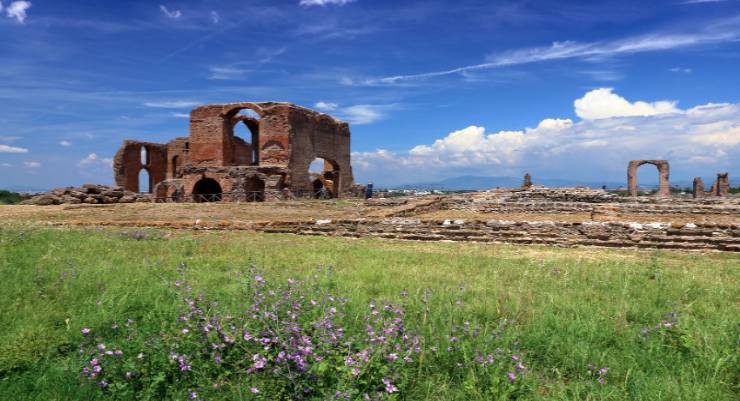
(213, 164)
(721, 186)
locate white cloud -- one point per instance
(5, 164)
(215, 18)
(32, 164)
(93, 159)
(326, 106)
(701, 138)
(174, 14)
(228, 73)
(9, 138)
(323, 3)
(359, 114)
(1, 6)
(680, 70)
(703, 1)
(172, 104)
(18, 10)
(180, 115)
(12, 149)
(603, 103)
(363, 113)
(720, 32)
(66, 144)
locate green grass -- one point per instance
(570, 307)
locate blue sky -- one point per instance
(432, 89)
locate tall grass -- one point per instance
(664, 324)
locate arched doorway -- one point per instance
(664, 186)
(324, 176)
(207, 190)
(254, 189)
(175, 165)
(145, 181)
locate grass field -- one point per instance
(665, 324)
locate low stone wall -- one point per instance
(722, 237)
(88, 193)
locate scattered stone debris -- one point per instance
(89, 194)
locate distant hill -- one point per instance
(10, 198)
(471, 182)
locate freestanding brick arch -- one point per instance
(663, 170)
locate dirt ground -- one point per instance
(183, 214)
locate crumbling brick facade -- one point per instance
(213, 164)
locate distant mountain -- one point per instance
(23, 189)
(471, 182)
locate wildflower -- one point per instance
(103, 384)
(515, 358)
(101, 346)
(114, 326)
(185, 331)
(85, 331)
(259, 279)
(254, 390)
(392, 357)
(511, 376)
(519, 367)
(355, 372)
(389, 387)
(193, 395)
(140, 355)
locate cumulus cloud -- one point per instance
(323, 3)
(172, 104)
(702, 137)
(93, 160)
(12, 149)
(603, 103)
(17, 10)
(66, 144)
(32, 164)
(174, 14)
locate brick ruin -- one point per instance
(213, 164)
(720, 187)
(664, 188)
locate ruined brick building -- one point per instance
(213, 164)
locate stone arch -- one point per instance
(327, 181)
(245, 146)
(207, 190)
(664, 188)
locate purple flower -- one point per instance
(259, 279)
(103, 384)
(515, 358)
(85, 331)
(254, 390)
(389, 387)
(193, 395)
(355, 372)
(511, 376)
